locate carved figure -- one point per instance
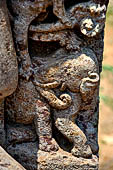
(25, 11)
(78, 75)
(66, 71)
(75, 73)
(81, 15)
(54, 108)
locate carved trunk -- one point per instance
(51, 120)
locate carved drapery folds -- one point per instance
(52, 116)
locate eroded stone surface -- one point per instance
(25, 153)
(65, 161)
(8, 64)
(40, 160)
(8, 61)
(59, 45)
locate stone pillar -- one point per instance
(8, 64)
(2, 132)
(51, 120)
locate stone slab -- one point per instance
(7, 162)
(33, 159)
(65, 161)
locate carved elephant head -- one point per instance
(76, 72)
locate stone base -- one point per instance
(62, 160)
(7, 162)
(28, 155)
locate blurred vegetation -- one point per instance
(107, 70)
(106, 97)
(110, 13)
(107, 100)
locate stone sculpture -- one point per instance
(25, 12)
(8, 64)
(52, 116)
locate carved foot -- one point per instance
(26, 74)
(66, 21)
(84, 152)
(48, 144)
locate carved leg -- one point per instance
(2, 131)
(44, 128)
(59, 11)
(75, 135)
(21, 38)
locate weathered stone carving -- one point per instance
(25, 12)
(82, 15)
(8, 64)
(79, 74)
(53, 114)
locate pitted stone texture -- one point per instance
(24, 13)
(37, 98)
(26, 154)
(81, 15)
(32, 159)
(7, 162)
(18, 134)
(65, 161)
(8, 62)
(72, 73)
